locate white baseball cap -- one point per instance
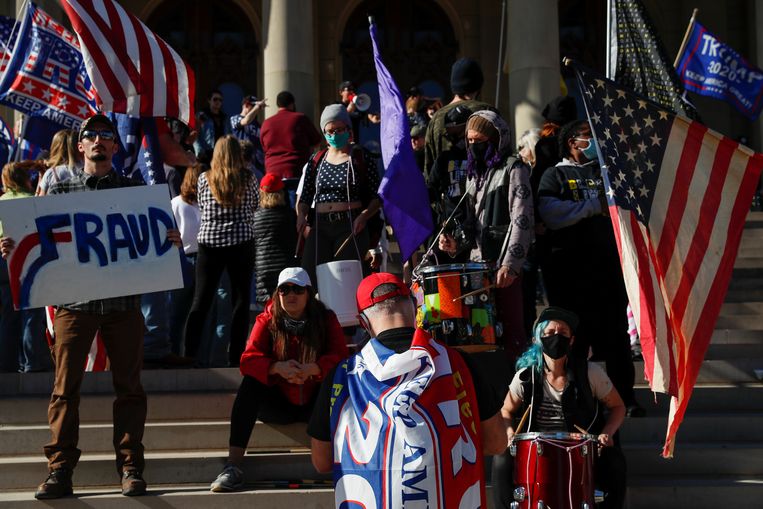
(294, 275)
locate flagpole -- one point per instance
(10, 36)
(608, 63)
(686, 37)
(499, 72)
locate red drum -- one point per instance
(553, 470)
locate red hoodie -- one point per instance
(259, 355)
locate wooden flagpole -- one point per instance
(686, 37)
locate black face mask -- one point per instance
(295, 327)
(556, 346)
(478, 151)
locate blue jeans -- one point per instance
(156, 331)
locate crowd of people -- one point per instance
(535, 214)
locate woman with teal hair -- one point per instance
(561, 392)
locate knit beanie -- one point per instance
(561, 110)
(482, 126)
(466, 76)
(335, 113)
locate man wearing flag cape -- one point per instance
(406, 421)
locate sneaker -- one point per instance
(133, 484)
(230, 479)
(57, 485)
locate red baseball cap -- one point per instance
(371, 283)
(271, 183)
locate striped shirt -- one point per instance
(226, 226)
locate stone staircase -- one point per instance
(718, 457)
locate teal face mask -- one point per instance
(590, 151)
(338, 140)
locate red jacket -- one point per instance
(259, 355)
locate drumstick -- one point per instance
(523, 419)
(475, 292)
(300, 239)
(583, 431)
(343, 244)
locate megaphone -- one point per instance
(362, 102)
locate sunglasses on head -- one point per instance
(93, 134)
(287, 289)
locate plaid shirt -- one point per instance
(226, 226)
(78, 182)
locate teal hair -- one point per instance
(533, 356)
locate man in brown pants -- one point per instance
(120, 322)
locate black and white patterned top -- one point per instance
(331, 182)
(226, 226)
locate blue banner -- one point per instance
(710, 67)
(44, 75)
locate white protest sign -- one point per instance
(90, 245)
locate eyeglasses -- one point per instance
(91, 135)
(338, 130)
(217, 99)
(287, 289)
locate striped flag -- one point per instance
(678, 194)
(134, 71)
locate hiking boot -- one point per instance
(230, 479)
(57, 485)
(133, 484)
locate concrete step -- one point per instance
(748, 262)
(731, 398)
(741, 308)
(195, 467)
(740, 370)
(189, 496)
(696, 427)
(696, 458)
(166, 436)
(696, 492)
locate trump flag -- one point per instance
(678, 197)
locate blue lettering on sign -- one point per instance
(114, 221)
(156, 216)
(139, 231)
(87, 239)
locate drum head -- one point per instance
(558, 435)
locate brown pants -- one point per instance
(122, 334)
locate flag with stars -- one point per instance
(638, 59)
(43, 72)
(678, 196)
(8, 33)
(139, 154)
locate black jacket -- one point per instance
(275, 240)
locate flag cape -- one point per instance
(405, 429)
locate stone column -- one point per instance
(533, 51)
(287, 27)
(758, 29)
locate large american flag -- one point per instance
(678, 194)
(134, 71)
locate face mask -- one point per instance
(338, 140)
(590, 151)
(296, 327)
(555, 346)
(478, 150)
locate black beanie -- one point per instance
(466, 76)
(561, 110)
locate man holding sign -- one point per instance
(120, 323)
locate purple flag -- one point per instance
(403, 190)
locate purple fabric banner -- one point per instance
(403, 190)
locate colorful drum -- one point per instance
(464, 322)
(553, 470)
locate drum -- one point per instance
(464, 322)
(553, 470)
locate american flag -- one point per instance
(678, 195)
(133, 69)
(638, 59)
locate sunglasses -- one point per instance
(91, 135)
(287, 289)
(217, 99)
(338, 130)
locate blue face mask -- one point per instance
(590, 151)
(338, 140)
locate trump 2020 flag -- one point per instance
(133, 69)
(678, 195)
(43, 73)
(403, 190)
(709, 67)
